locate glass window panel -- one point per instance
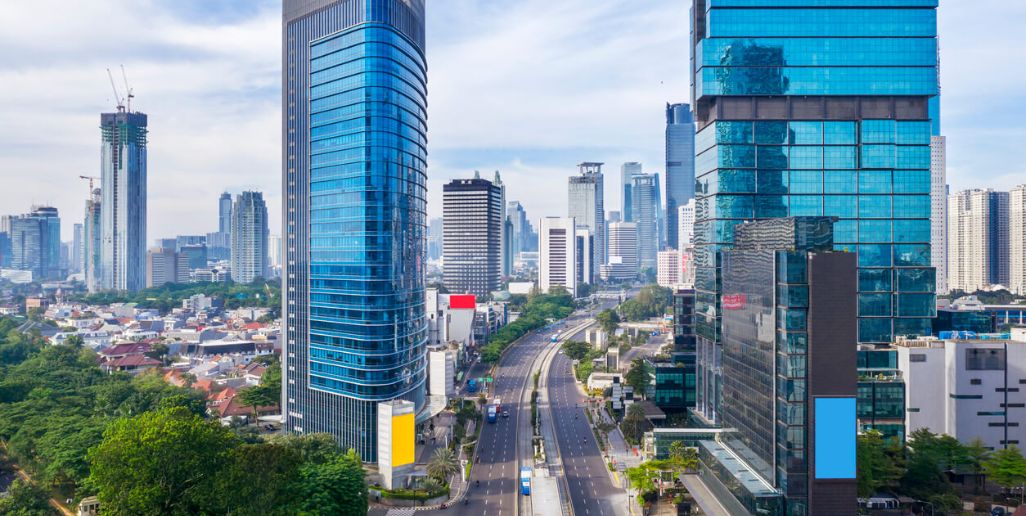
(875, 181)
(911, 255)
(875, 329)
(875, 305)
(769, 206)
(806, 133)
(733, 132)
(735, 181)
(878, 131)
(914, 133)
(916, 305)
(911, 230)
(806, 181)
(807, 157)
(734, 206)
(875, 280)
(912, 206)
(840, 181)
(844, 206)
(874, 255)
(839, 133)
(736, 156)
(772, 181)
(913, 156)
(917, 280)
(840, 157)
(772, 156)
(878, 156)
(874, 230)
(806, 205)
(909, 326)
(771, 133)
(874, 206)
(912, 181)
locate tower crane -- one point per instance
(90, 179)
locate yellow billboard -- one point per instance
(403, 440)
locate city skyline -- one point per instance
(206, 140)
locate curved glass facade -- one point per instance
(356, 135)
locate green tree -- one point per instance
(609, 321)
(335, 487)
(26, 499)
(443, 464)
(877, 466)
(268, 393)
(316, 448)
(161, 462)
(260, 479)
(634, 424)
(576, 350)
(638, 376)
(1006, 467)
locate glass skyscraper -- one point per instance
(354, 174)
(680, 166)
(249, 237)
(817, 108)
(123, 210)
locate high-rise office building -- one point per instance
(472, 252)
(76, 248)
(808, 108)
(646, 209)
(36, 242)
(123, 210)
(623, 252)
(1017, 240)
(164, 265)
(557, 260)
(354, 169)
(521, 227)
(224, 213)
(789, 369)
(5, 245)
(670, 271)
(250, 235)
(506, 259)
(627, 172)
(686, 225)
(435, 238)
(584, 253)
(219, 246)
(680, 166)
(92, 241)
(587, 207)
(939, 211)
(978, 240)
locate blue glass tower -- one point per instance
(354, 175)
(680, 165)
(817, 108)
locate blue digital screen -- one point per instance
(835, 438)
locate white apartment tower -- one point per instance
(1017, 240)
(623, 252)
(686, 225)
(939, 211)
(556, 254)
(977, 240)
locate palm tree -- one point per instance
(443, 464)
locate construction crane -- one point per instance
(127, 88)
(90, 179)
(117, 96)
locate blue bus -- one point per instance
(492, 413)
(472, 385)
(525, 481)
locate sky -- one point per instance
(529, 88)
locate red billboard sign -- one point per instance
(457, 301)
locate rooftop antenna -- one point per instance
(117, 96)
(127, 88)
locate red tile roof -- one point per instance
(132, 361)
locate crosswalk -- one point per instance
(401, 511)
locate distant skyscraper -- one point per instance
(1017, 240)
(36, 242)
(219, 246)
(557, 258)
(644, 202)
(274, 252)
(92, 241)
(587, 207)
(123, 210)
(977, 240)
(353, 126)
(939, 211)
(164, 265)
(623, 252)
(627, 172)
(686, 225)
(5, 245)
(807, 108)
(611, 217)
(670, 273)
(472, 256)
(680, 165)
(249, 237)
(224, 213)
(584, 254)
(76, 248)
(521, 227)
(435, 235)
(506, 266)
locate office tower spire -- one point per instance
(354, 172)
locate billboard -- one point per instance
(458, 301)
(835, 431)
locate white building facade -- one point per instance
(1017, 240)
(939, 211)
(557, 258)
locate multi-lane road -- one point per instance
(591, 491)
